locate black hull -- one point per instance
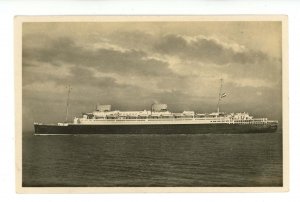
(222, 128)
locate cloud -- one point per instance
(133, 39)
(125, 62)
(208, 50)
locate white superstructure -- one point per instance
(160, 115)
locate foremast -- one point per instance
(68, 103)
(218, 106)
(221, 95)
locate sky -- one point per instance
(132, 65)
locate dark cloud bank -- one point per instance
(206, 50)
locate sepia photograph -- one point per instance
(151, 103)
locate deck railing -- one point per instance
(192, 120)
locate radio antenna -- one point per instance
(68, 103)
(220, 95)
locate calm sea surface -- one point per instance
(153, 160)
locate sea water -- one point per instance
(198, 160)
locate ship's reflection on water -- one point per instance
(153, 160)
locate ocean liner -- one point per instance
(158, 120)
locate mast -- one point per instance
(220, 95)
(68, 103)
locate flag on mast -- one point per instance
(223, 95)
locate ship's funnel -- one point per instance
(103, 108)
(159, 107)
